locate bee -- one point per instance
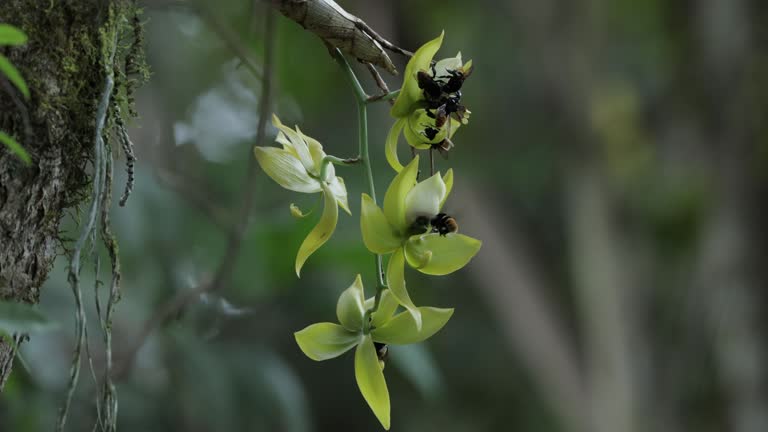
(444, 224)
(443, 147)
(433, 90)
(430, 132)
(420, 226)
(382, 352)
(455, 79)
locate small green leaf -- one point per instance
(13, 75)
(396, 283)
(323, 341)
(401, 330)
(390, 145)
(411, 93)
(10, 35)
(448, 253)
(394, 199)
(321, 232)
(370, 380)
(387, 306)
(22, 318)
(285, 169)
(377, 232)
(15, 147)
(349, 308)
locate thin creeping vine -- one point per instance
(410, 227)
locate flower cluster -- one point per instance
(410, 228)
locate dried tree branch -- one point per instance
(234, 241)
(340, 29)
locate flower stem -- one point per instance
(383, 97)
(362, 110)
(338, 161)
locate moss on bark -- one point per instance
(64, 66)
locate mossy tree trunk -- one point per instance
(63, 64)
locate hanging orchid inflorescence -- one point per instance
(410, 228)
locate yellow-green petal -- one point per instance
(449, 253)
(370, 380)
(285, 169)
(300, 146)
(339, 190)
(401, 330)
(349, 308)
(448, 180)
(321, 232)
(425, 198)
(378, 235)
(411, 93)
(387, 307)
(396, 283)
(394, 199)
(323, 341)
(390, 146)
(450, 63)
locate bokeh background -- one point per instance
(615, 167)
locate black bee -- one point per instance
(433, 90)
(420, 226)
(455, 79)
(430, 132)
(443, 147)
(444, 224)
(382, 351)
(441, 224)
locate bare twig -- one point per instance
(380, 83)
(340, 29)
(234, 241)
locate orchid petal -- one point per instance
(394, 199)
(396, 283)
(349, 308)
(390, 146)
(378, 235)
(370, 380)
(285, 169)
(449, 252)
(401, 330)
(321, 232)
(387, 307)
(339, 190)
(425, 198)
(323, 341)
(298, 144)
(448, 180)
(411, 93)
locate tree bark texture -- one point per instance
(64, 69)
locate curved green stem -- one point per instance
(338, 161)
(383, 97)
(362, 99)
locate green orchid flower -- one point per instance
(397, 229)
(297, 167)
(414, 120)
(323, 341)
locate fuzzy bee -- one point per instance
(444, 224)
